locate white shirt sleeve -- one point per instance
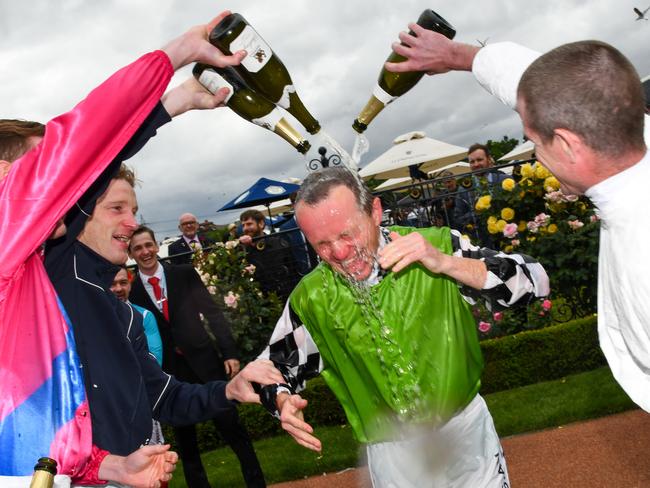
(498, 68)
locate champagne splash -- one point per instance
(326, 151)
(361, 147)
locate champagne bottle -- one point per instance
(392, 85)
(44, 472)
(262, 69)
(249, 104)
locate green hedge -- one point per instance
(540, 355)
(512, 361)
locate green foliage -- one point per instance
(251, 312)
(540, 355)
(534, 217)
(218, 234)
(502, 147)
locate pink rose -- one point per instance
(575, 224)
(497, 316)
(532, 226)
(231, 299)
(594, 218)
(484, 326)
(515, 242)
(250, 269)
(547, 304)
(542, 219)
(510, 230)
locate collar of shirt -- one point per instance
(195, 240)
(160, 274)
(614, 192)
(92, 267)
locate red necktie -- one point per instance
(157, 292)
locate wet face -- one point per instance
(121, 285)
(341, 233)
(479, 160)
(554, 156)
(188, 225)
(108, 230)
(144, 250)
(252, 227)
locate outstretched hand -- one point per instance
(293, 421)
(145, 468)
(259, 371)
(431, 52)
(194, 46)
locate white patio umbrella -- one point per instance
(522, 151)
(275, 208)
(394, 183)
(409, 149)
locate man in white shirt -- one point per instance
(583, 107)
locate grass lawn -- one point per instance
(535, 407)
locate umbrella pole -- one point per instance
(268, 207)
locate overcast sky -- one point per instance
(55, 52)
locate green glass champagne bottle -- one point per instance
(44, 473)
(392, 85)
(262, 69)
(249, 104)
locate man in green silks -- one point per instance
(386, 319)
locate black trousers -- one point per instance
(230, 429)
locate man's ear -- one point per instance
(376, 211)
(569, 142)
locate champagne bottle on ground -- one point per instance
(262, 69)
(392, 85)
(249, 104)
(44, 473)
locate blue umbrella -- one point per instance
(263, 192)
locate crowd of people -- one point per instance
(93, 361)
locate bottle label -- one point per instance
(212, 81)
(382, 96)
(285, 101)
(258, 51)
(270, 120)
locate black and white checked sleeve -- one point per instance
(294, 353)
(512, 279)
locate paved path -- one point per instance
(608, 452)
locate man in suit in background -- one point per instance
(181, 303)
(182, 250)
(271, 255)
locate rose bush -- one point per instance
(529, 214)
(252, 313)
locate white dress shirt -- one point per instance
(623, 265)
(160, 274)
